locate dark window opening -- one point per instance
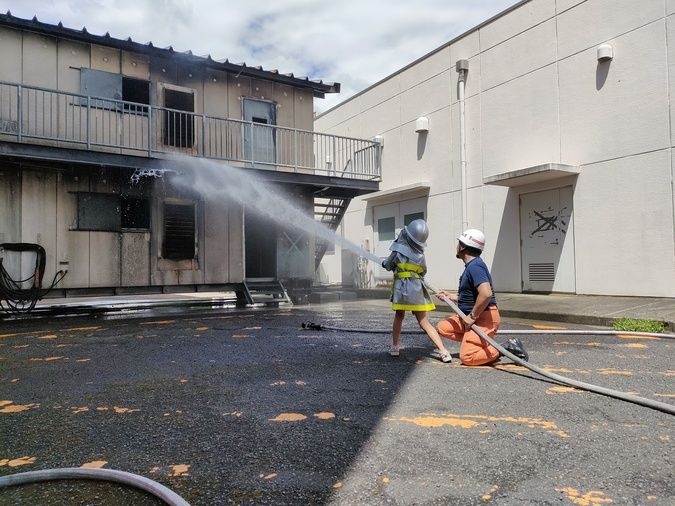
(412, 217)
(138, 91)
(108, 212)
(98, 212)
(259, 120)
(179, 232)
(179, 126)
(110, 89)
(135, 213)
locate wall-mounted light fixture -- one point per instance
(605, 52)
(422, 125)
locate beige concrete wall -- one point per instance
(10, 63)
(39, 204)
(535, 94)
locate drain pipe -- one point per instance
(462, 67)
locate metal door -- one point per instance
(260, 246)
(259, 132)
(388, 220)
(384, 231)
(547, 241)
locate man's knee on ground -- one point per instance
(474, 359)
(449, 328)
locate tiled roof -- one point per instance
(318, 87)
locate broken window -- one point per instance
(179, 126)
(108, 212)
(179, 231)
(109, 88)
(135, 213)
(137, 91)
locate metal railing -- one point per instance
(34, 115)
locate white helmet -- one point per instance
(473, 238)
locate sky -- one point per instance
(353, 42)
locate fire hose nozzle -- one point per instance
(312, 326)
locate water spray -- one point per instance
(218, 180)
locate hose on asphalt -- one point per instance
(657, 405)
(112, 475)
(318, 326)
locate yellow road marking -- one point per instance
(179, 469)
(95, 464)
(431, 420)
(633, 336)
(324, 415)
(591, 498)
(289, 417)
(10, 407)
(609, 370)
(21, 461)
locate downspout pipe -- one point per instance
(462, 67)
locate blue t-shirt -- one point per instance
(475, 273)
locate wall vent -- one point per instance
(542, 271)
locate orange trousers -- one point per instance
(473, 350)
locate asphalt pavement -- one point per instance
(244, 406)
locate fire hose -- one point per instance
(79, 473)
(657, 405)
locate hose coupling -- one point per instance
(312, 326)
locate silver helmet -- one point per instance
(417, 231)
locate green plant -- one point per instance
(634, 325)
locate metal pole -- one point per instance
(88, 121)
(462, 68)
(204, 135)
(149, 130)
(19, 105)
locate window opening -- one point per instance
(179, 232)
(135, 90)
(108, 212)
(109, 89)
(407, 218)
(386, 228)
(179, 126)
(135, 213)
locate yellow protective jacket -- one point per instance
(408, 292)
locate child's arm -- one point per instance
(390, 262)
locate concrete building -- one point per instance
(549, 127)
(88, 121)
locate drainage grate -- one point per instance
(542, 271)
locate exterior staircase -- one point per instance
(264, 291)
(329, 212)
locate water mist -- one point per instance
(218, 180)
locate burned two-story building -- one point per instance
(88, 123)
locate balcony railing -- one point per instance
(42, 116)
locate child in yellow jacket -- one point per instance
(408, 291)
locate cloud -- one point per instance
(354, 42)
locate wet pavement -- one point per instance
(245, 407)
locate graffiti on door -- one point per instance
(549, 224)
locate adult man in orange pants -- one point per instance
(475, 297)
